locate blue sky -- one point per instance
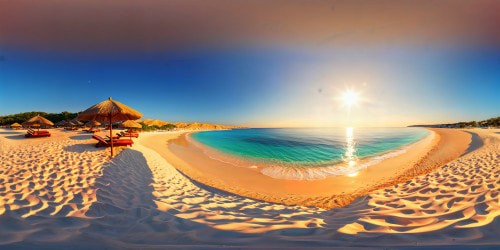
(255, 63)
(263, 87)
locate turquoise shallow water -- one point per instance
(309, 148)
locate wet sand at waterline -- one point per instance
(63, 192)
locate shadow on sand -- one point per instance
(83, 147)
(475, 143)
(81, 137)
(125, 212)
(12, 133)
(19, 137)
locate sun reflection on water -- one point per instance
(350, 153)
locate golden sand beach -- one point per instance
(62, 191)
(438, 148)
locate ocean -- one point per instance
(308, 153)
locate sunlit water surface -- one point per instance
(308, 153)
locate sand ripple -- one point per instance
(461, 194)
(46, 179)
(194, 201)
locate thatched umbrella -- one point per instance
(76, 122)
(130, 124)
(61, 123)
(38, 121)
(16, 125)
(92, 123)
(111, 111)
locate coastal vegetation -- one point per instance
(147, 124)
(146, 127)
(492, 122)
(22, 117)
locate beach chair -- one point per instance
(31, 131)
(34, 134)
(129, 134)
(101, 142)
(92, 130)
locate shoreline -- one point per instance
(327, 193)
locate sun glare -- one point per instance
(349, 98)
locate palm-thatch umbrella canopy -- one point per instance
(92, 123)
(16, 125)
(38, 121)
(61, 123)
(76, 122)
(111, 111)
(131, 124)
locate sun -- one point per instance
(349, 98)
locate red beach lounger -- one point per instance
(124, 134)
(33, 134)
(116, 142)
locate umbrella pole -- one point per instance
(111, 134)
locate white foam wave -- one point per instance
(317, 173)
